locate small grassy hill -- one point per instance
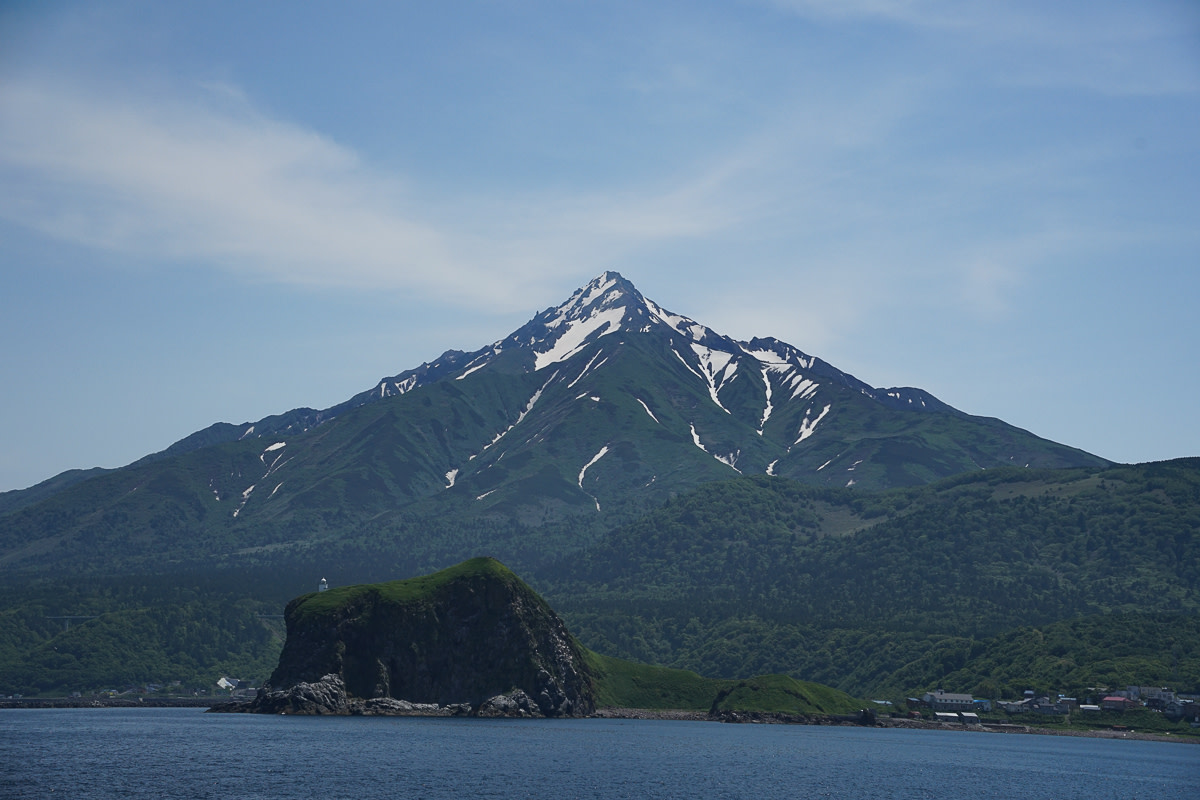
(786, 694)
(625, 684)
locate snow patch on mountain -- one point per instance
(450, 478)
(789, 365)
(398, 387)
(595, 289)
(524, 412)
(783, 359)
(802, 387)
(765, 357)
(594, 459)
(586, 369)
(690, 369)
(767, 410)
(719, 369)
(808, 426)
(245, 497)
(648, 411)
(263, 455)
(480, 362)
(576, 334)
(728, 461)
(687, 328)
(582, 472)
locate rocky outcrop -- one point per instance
(470, 639)
(325, 696)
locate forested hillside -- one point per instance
(993, 579)
(858, 591)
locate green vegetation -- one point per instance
(770, 693)
(1072, 656)
(134, 638)
(906, 590)
(991, 582)
(1141, 720)
(403, 592)
(625, 684)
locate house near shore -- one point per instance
(940, 700)
(1116, 703)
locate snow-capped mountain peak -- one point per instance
(607, 305)
(663, 403)
(611, 304)
(598, 309)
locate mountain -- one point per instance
(682, 498)
(592, 412)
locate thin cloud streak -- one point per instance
(262, 197)
(192, 182)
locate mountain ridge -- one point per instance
(603, 405)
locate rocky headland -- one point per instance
(472, 640)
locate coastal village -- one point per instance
(958, 708)
(949, 708)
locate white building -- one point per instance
(946, 701)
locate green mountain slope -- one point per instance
(592, 413)
(759, 576)
(1075, 655)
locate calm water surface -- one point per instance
(184, 753)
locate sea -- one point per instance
(88, 754)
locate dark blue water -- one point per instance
(176, 753)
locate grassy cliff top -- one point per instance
(409, 591)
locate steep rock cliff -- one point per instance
(460, 637)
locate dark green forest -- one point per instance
(907, 589)
(992, 583)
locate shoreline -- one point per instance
(731, 717)
(111, 702)
(779, 718)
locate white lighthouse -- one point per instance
(323, 585)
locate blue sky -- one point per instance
(219, 211)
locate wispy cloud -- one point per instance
(205, 182)
(213, 180)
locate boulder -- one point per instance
(325, 696)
